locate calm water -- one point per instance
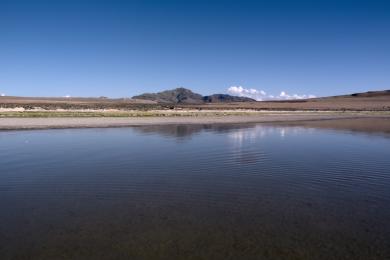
(194, 192)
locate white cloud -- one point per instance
(261, 95)
(284, 95)
(67, 96)
(244, 92)
(2, 95)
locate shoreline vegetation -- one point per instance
(39, 113)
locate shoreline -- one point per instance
(35, 123)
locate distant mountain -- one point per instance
(186, 96)
(226, 98)
(178, 95)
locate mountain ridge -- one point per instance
(187, 96)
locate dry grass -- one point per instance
(150, 113)
(340, 103)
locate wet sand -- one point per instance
(320, 119)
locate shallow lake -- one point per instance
(194, 192)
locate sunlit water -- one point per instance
(194, 192)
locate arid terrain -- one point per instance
(178, 107)
(370, 101)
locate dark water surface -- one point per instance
(194, 192)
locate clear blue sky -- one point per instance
(123, 48)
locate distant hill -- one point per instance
(178, 95)
(186, 96)
(372, 94)
(226, 98)
(368, 101)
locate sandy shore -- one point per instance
(100, 122)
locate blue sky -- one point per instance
(123, 48)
